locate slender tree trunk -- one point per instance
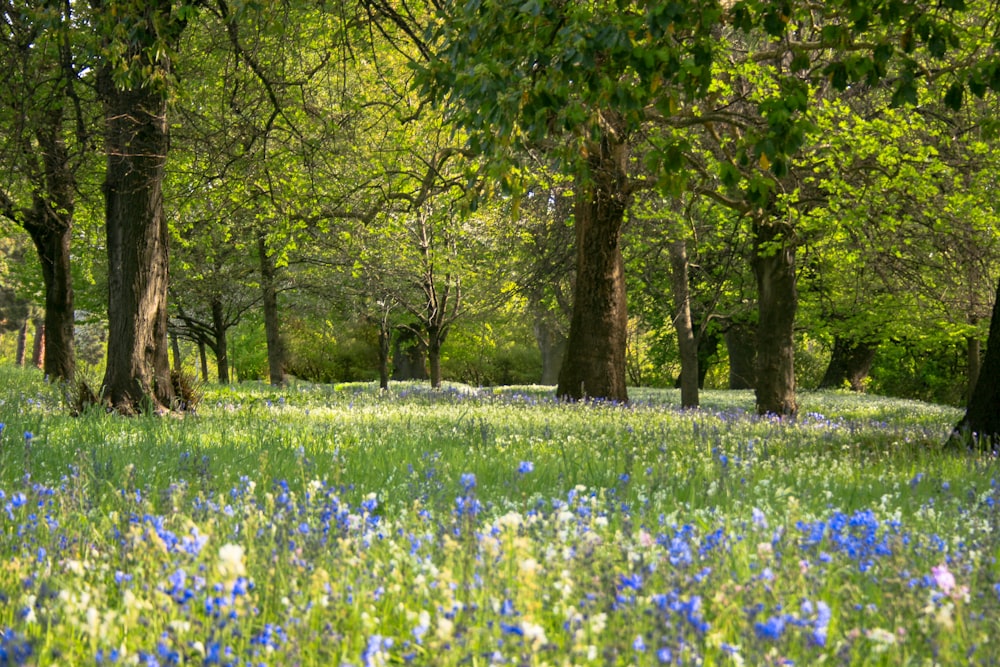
(272, 331)
(203, 359)
(221, 348)
(595, 351)
(384, 344)
(22, 343)
(850, 363)
(552, 346)
(38, 350)
(136, 142)
(175, 349)
(982, 417)
(777, 300)
(686, 341)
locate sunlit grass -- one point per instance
(343, 525)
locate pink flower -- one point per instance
(943, 578)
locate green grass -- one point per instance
(341, 525)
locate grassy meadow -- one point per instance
(335, 525)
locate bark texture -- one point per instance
(687, 342)
(850, 363)
(594, 366)
(981, 423)
(741, 345)
(777, 300)
(136, 143)
(272, 330)
(221, 347)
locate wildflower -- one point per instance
(944, 579)
(230, 564)
(524, 467)
(468, 481)
(758, 518)
(772, 628)
(638, 644)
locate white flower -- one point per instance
(230, 564)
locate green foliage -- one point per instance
(487, 353)
(330, 351)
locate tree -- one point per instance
(982, 416)
(46, 142)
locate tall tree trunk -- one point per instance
(777, 300)
(595, 350)
(203, 359)
(272, 331)
(22, 343)
(50, 233)
(221, 348)
(982, 417)
(384, 346)
(686, 341)
(136, 142)
(552, 346)
(741, 345)
(38, 351)
(850, 363)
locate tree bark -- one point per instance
(435, 339)
(175, 349)
(22, 344)
(552, 346)
(203, 359)
(974, 360)
(777, 300)
(136, 143)
(686, 340)
(50, 233)
(272, 331)
(221, 347)
(595, 350)
(38, 350)
(981, 424)
(850, 363)
(384, 343)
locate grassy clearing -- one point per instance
(337, 525)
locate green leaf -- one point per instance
(954, 97)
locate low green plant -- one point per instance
(339, 524)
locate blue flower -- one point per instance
(468, 480)
(524, 467)
(772, 628)
(639, 644)
(28, 435)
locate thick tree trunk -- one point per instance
(595, 351)
(974, 360)
(272, 331)
(551, 344)
(777, 300)
(850, 364)
(136, 142)
(741, 345)
(221, 348)
(38, 350)
(981, 423)
(22, 344)
(686, 340)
